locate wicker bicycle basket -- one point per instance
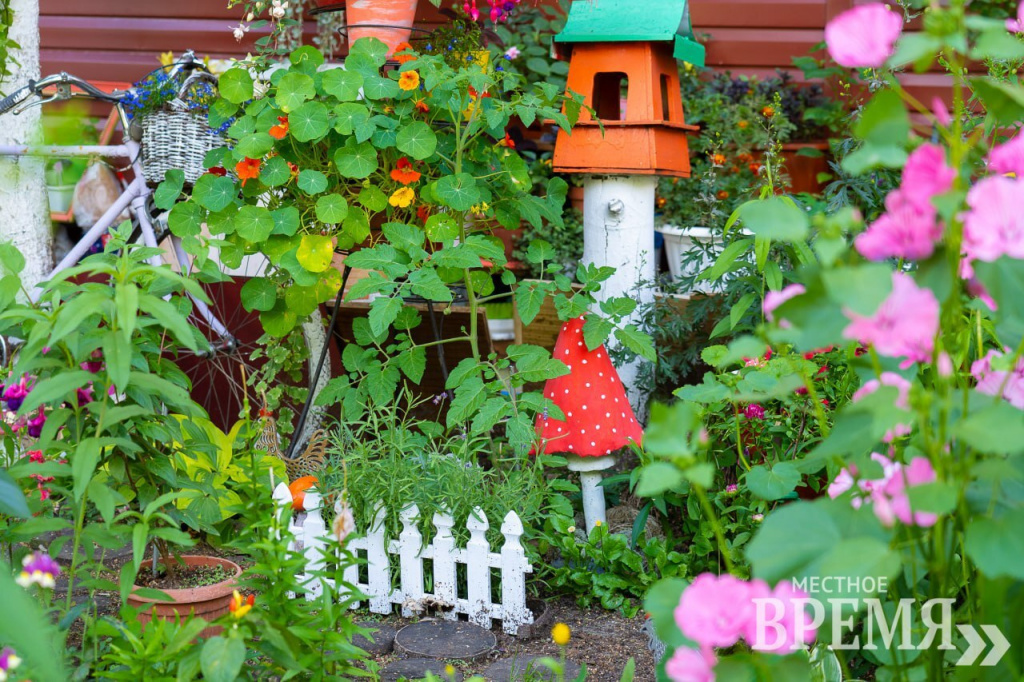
(175, 137)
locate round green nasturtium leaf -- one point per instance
(235, 85)
(259, 294)
(328, 286)
(214, 192)
(441, 227)
(312, 182)
(458, 191)
(356, 160)
(315, 252)
(293, 89)
(186, 219)
(255, 145)
(356, 228)
(308, 122)
(279, 321)
(417, 140)
(331, 209)
(349, 116)
(275, 172)
(301, 300)
(307, 55)
(286, 220)
(373, 199)
(374, 48)
(254, 223)
(342, 84)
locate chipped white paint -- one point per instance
(311, 538)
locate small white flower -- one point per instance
(249, 17)
(239, 31)
(278, 9)
(570, 529)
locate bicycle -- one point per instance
(229, 333)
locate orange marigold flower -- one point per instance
(722, 194)
(281, 129)
(422, 106)
(754, 168)
(404, 172)
(718, 159)
(742, 125)
(660, 201)
(247, 169)
(403, 58)
(734, 169)
(410, 80)
(768, 112)
(745, 157)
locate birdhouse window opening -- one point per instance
(665, 109)
(610, 94)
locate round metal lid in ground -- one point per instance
(445, 639)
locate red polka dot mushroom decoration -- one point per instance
(599, 419)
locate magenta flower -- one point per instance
(9, 661)
(38, 568)
(927, 174)
(863, 488)
(731, 489)
(95, 364)
(864, 37)
(994, 223)
(714, 610)
(15, 394)
(894, 501)
(690, 665)
(36, 423)
(902, 401)
(785, 606)
(1008, 157)
(907, 229)
(1016, 25)
(904, 325)
(941, 112)
(754, 411)
(773, 299)
(85, 395)
(992, 381)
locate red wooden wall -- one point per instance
(119, 40)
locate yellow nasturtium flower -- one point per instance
(402, 197)
(560, 634)
(409, 80)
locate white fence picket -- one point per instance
(478, 569)
(411, 568)
(445, 588)
(379, 587)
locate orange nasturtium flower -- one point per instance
(422, 106)
(404, 173)
(247, 169)
(507, 142)
(402, 197)
(281, 129)
(239, 606)
(403, 58)
(409, 80)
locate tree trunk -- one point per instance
(24, 214)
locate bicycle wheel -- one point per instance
(233, 354)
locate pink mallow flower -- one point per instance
(927, 174)
(773, 299)
(904, 325)
(1010, 384)
(864, 37)
(902, 401)
(907, 229)
(1008, 157)
(38, 568)
(994, 223)
(847, 479)
(1016, 25)
(781, 623)
(714, 610)
(691, 665)
(893, 501)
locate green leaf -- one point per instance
(12, 499)
(996, 545)
(540, 251)
(259, 293)
(356, 160)
(529, 299)
(637, 341)
(254, 223)
(55, 389)
(376, 87)
(658, 478)
(1002, 280)
(791, 538)
(427, 284)
(995, 430)
(383, 312)
(292, 90)
(417, 140)
(186, 219)
(413, 363)
(775, 219)
(279, 321)
(167, 193)
(275, 172)
(1003, 101)
(458, 191)
(596, 331)
(286, 220)
(83, 464)
(254, 145)
(221, 659)
(312, 181)
(315, 252)
(349, 117)
(342, 84)
(214, 192)
(441, 227)
(373, 199)
(331, 209)
(308, 122)
(884, 121)
(773, 483)
(469, 397)
(235, 85)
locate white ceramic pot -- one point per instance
(679, 241)
(60, 197)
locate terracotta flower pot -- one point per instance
(208, 602)
(803, 169)
(396, 15)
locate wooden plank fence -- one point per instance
(310, 536)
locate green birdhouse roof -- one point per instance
(613, 21)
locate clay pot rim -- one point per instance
(194, 594)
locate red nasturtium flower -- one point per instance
(217, 170)
(281, 129)
(507, 142)
(404, 172)
(247, 169)
(403, 58)
(294, 170)
(423, 212)
(422, 106)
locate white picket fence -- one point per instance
(311, 537)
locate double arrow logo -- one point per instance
(976, 644)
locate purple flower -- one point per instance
(754, 411)
(38, 568)
(8, 661)
(36, 423)
(15, 395)
(731, 489)
(96, 364)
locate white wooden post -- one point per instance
(514, 568)
(314, 533)
(478, 569)
(283, 500)
(379, 568)
(445, 588)
(410, 543)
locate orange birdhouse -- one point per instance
(623, 61)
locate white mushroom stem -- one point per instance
(618, 230)
(589, 469)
